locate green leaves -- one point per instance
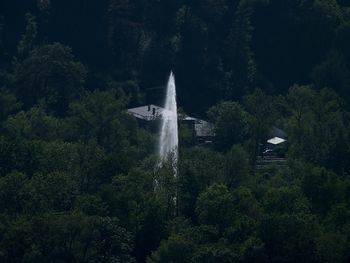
(78, 181)
(8, 105)
(231, 123)
(217, 200)
(27, 43)
(316, 127)
(67, 237)
(50, 74)
(175, 249)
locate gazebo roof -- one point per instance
(276, 140)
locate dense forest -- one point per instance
(77, 173)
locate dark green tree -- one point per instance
(50, 75)
(29, 38)
(231, 124)
(262, 116)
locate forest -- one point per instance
(77, 172)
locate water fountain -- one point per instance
(168, 144)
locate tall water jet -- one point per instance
(168, 144)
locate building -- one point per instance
(147, 113)
(203, 131)
(275, 143)
(150, 116)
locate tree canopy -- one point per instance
(79, 178)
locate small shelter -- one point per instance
(275, 142)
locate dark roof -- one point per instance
(201, 127)
(148, 112)
(277, 132)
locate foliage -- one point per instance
(49, 74)
(79, 181)
(231, 123)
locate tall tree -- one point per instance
(231, 124)
(50, 75)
